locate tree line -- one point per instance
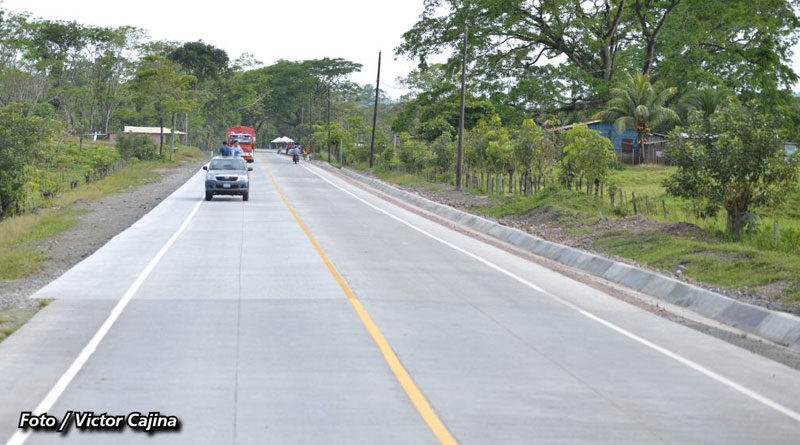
(65, 79)
(714, 75)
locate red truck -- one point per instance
(247, 140)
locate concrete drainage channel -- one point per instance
(778, 327)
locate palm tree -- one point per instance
(640, 105)
(705, 101)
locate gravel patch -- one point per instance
(103, 220)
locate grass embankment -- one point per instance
(665, 240)
(18, 256)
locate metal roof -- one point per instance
(149, 130)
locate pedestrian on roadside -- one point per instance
(237, 150)
(225, 150)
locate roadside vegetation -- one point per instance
(48, 216)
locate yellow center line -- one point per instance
(412, 390)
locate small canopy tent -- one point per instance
(281, 142)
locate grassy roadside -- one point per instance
(20, 258)
(665, 241)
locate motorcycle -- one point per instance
(295, 158)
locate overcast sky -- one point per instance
(288, 29)
(270, 30)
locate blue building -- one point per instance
(626, 144)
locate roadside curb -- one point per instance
(779, 327)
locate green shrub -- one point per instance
(414, 154)
(22, 145)
(386, 160)
(444, 150)
(137, 146)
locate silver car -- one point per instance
(227, 176)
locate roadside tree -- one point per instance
(444, 151)
(590, 154)
(740, 165)
(535, 152)
(23, 142)
(158, 84)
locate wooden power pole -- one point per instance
(375, 114)
(460, 156)
(329, 122)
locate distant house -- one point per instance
(626, 144)
(153, 132)
(790, 148)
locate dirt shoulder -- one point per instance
(99, 222)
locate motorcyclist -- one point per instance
(296, 154)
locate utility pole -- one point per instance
(329, 122)
(375, 114)
(172, 138)
(460, 157)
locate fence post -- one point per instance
(611, 195)
(633, 198)
(664, 207)
(775, 233)
(687, 212)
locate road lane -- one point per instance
(664, 398)
(243, 333)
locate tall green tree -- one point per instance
(160, 85)
(201, 60)
(433, 106)
(743, 44)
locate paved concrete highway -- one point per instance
(229, 316)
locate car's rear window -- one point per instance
(226, 164)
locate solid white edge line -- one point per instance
(20, 436)
(697, 367)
